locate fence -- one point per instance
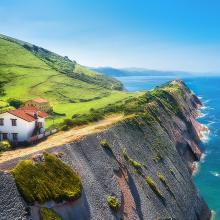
(37, 138)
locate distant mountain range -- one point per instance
(114, 72)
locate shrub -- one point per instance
(4, 145)
(68, 122)
(172, 172)
(105, 144)
(15, 103)
(158, 157)
(135, 163)
(162, 178)
(125, 154)
(49, 214)
(113, 203)
(153, 186)
(48, 180)
(65, 128)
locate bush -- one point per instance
(49, 214)
(68, 122)
(16, 103)
(65, 128)
(153, 186)
(158, 157)
(105, 144)
(125, 154)
(113, 203)
(48, 180)
(4, 145)
(134, 163)
(162, 178)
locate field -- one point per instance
(25, 74)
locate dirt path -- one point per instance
(57, 140)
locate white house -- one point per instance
(21, 124)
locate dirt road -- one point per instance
(10, 158)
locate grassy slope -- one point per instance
(25, 76)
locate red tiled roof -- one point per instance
(40, 100)
(27, 114)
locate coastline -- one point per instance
(202, 131)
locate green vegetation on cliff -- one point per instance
(49, 214)
(153, 186)
(47, 180)
(113, 203)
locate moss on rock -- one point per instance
(47, 180)
(49, 214)
(113, 203)
(153, 186)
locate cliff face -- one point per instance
(165, 145)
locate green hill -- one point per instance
(28, 71)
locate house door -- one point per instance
(15, 137)
(4, 136)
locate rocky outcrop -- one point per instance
(165, 145)
(12, 205)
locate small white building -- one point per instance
(21, 124)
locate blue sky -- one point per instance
(154, 34)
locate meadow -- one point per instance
(27, 74)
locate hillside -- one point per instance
(28, 71)
(139, 168)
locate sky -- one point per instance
(154, 34)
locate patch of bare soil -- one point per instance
(57, 139)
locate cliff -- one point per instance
(147, 166)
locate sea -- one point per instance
(207, 88)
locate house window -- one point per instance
(15, 136)
(14, 122)
(1, 121)
(4, 136)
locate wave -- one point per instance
(206, 101)
(205, 134)
(195, 168)
(213, 215)
(202, 159)
(196, 164)
(211, 123)
(202, 115)
(214, 173)
(204, 107)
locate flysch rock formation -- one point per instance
(12, 206)
(166, 146)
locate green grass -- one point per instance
(48, 180)
(70, 87)
(28, 71)
(49, 214)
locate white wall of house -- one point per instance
(24, 129)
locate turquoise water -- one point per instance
(207, 178)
